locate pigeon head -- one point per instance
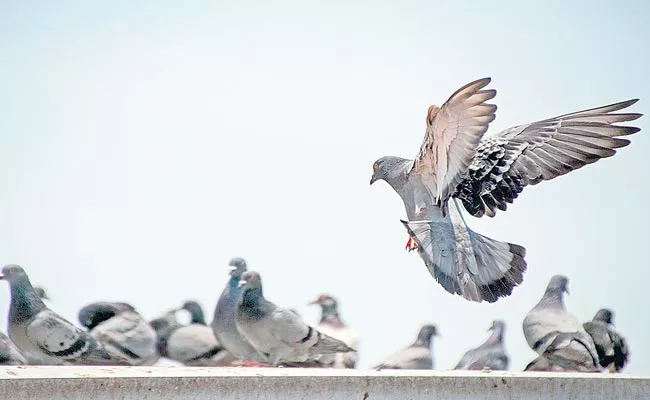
(425, 335)
(13, 273)
(195, 310)
(387, 168)
(237, 266)
(95, 313)
(328, 304)
(250, 280)
(558, 284)
(604, 315)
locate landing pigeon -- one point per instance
(416, 356)
(491, 354)
(9, 353)
(558, 335)
(332, 325)
(192, 345)
(276, 332)
(456, 163)
(43, 334)
(122, 330)
(223, 323)
(610, 345)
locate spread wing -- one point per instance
(528, 154)
(453, 133)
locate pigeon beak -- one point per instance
(241, 283)
(373, 179)
(232, 268)
(311, 303)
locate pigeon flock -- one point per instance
(249, 330)
(455, 168)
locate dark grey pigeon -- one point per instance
(416, 356)
(546, 323)
(491, 354)
(567, 352)
(278, 333)
(610, 345)
(456, 163)
(122, 330)
(192, 345)
(43, 334)
(9, 353)
(223, 322)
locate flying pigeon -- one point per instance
(332, 325)
(610, 345)
(9, 353)
(122, 330)
(416, 356)
(223, 322)
(43, 334)
(558, 335)
(490, 354)
(456, 163)
(277, 333)
(192, 345)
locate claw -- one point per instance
(411, 244)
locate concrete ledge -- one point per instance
(184, 383)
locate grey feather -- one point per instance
(611, 347)
(567, 351)
(491, 354)
(9, 353)
(276, 332)
(416, 356)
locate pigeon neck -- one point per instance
(496, 336)
(250, 302)
(25, 302)
(197, 316)
(553, 297)
(233, 283)
(330, 314)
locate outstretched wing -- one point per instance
(453, 133)
(528, 154)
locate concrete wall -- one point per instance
(159, 383)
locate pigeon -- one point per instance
(416, 356)
(122, 330)
(277, 333)
(567, 352)
(223, 322)
(456, 163)
(41, 333)
(558, 335)
(192, 345)
(9, 353)
(610, 345)
(332, 325)
(490, 355)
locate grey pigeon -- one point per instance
(491, 354)
(416, 356)
(567, 352)
(45, 335)
(332, 325)
(277, 333)
(556, 334)
(223, 323)
(122, 330)
(192, 345)
(9, 353)
(456, 163)
(610, 345)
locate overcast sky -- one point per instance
(144, 144)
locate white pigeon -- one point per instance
(45, 335)
(278, 333)
(456, 163)
(122, 330)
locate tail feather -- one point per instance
(329, 345)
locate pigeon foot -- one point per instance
(411, 244)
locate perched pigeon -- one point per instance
(567, 352)
(192, 345)
(278, 333)
(9, 353)
(558, 335)
(490, 354)
(43, 334)
(416, 356)
(332, 325)
(610, 345)
(223, 323)
(455, 163)
(122, 330)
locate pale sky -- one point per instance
(144, 144)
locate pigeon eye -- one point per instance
(375, 166)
